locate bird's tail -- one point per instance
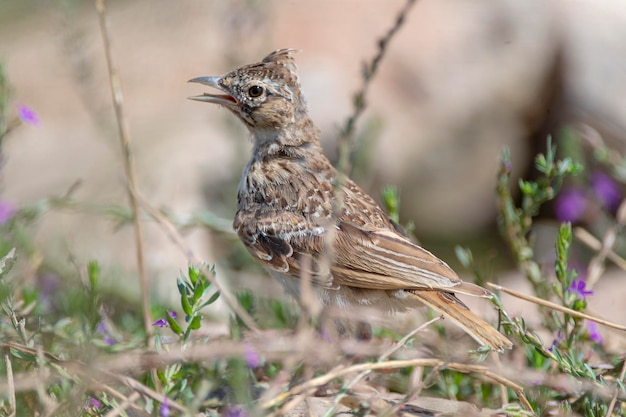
(473, 325)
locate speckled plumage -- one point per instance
(286, 210)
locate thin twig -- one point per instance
(548, 304)
(360, 102)
(383, 357)
(148, 392)
(126, 402)
(593, 243)
(298, 389)
(397, 364)
(11, 385)
(617, 389)
(129, 167)
(113, 392)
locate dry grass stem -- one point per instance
(129, 167)
(617, 390)
(360, 103)
(398, 364)
(382, 357)
(95, 385)
(144, 390)
(10, 385)
(309, 386)
(593, 243)
(557, 307)
(126, 402)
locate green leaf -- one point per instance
(161, 376)
(211, 300)
(464, 255)
(391, 199)
(182, 287)
(186, 305)
(541, 163)
(7, 261)
(195, 323)
(198, 291)
(176, 328)
(193, 274)
(23, 356)
(93, 271)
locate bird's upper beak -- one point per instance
(223, 99)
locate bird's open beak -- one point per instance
(223, 99)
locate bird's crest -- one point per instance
(278, 65)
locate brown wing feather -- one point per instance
(385, 260)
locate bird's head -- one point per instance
(265, 95)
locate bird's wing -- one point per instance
(382, 259)
(287, 242)
(347, 254)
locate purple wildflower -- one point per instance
(555, 343)
(325, 336)
(91, 402)
(27, 115)
(48, 283)
(103, 329)
(7, 210)
(165, 408)
(163, 322)
(252, 358)
(594, 335)
(606, 190)
(578, 287)
(160, 323)
(570, 205)
(235, 411)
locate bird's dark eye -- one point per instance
(255, 91)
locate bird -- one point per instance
(296, 214)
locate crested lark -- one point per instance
(289, 221)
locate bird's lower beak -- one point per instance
(223, 99)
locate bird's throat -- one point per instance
(301, 133)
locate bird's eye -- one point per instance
(255, 91)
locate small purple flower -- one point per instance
(606, 190)
(27, 115)
(570, 205)
(7, 210)
(160, 323)
(48, 283)
(594, 335)
(325, 336)
(165, 408)
(91, 402)
(234, 411)
(578, 287)
(252, 358)
(103, 329)
(555, 343)
(163, 322)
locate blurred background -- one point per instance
(460, 81)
